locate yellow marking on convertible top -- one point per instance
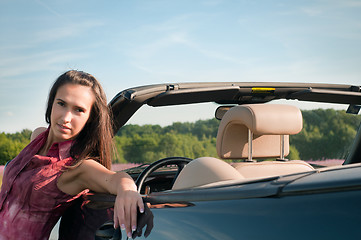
(263, 90)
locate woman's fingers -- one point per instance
(116, 220)
(125, 211)
(119, 219)
(133, 216)
(141, 205)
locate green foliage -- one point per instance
(148, 148)
(294, 154)
(148, 143)
(12, 144)
(326, 134)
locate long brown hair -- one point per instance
(95, 139)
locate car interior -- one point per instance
(249, 132)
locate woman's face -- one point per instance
(70, 111)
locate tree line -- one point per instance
(326, 134)
(12, 144)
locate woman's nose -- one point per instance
(67, 116)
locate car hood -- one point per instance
(347, 177)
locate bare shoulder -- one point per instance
(87, 167)
(37, 132)
(91, 166)
(90, 163)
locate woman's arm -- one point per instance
(92, 175)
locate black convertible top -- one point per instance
(127, 102)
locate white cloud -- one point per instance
(67, 31)
(46, 6)
(36, 62)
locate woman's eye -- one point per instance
(80, 110)
(61, 104)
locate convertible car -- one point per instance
(251, 190)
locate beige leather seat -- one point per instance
(271, 168)
(248, 132)
(257, 131)
(260, 131)
(205, 170)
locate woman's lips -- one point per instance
(63, 128)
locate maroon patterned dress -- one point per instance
(30, 201)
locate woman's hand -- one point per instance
(92, 175)
(126, 206)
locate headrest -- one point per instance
(266, 121)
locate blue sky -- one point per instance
(132, 43)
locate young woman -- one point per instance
(71, 157)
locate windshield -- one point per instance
(191, 131)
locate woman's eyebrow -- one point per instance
(59, 99)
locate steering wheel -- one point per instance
(179, 161)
